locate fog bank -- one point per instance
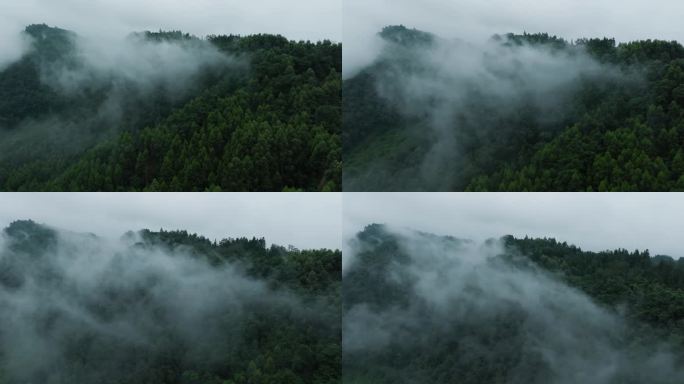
(592, 221)
(476, 21)
(65, 294)
(421, 300)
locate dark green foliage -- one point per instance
(650, 288)
(486, 338)
(409, 37)
(533, 39)
(169, 36)
(294, 339)
(620, 131)
(22, 92)
(271, 124)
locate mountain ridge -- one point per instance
(419, 309)
(272, 124)
(555, 115)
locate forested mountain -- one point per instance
(431, 309)
(165, 307)
(167, 111)
(527, 112)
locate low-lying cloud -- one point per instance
(135, 60)
(14, 45)
(460, 94)
(104, 87)
(120, 305)
(298, 20)
(485, 306)
(476, 20)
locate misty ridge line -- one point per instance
(101, 88)
(480, 251)
(141, 62)
(142, 59)
(143, 296)
(169, 111)
(161, 42)
(121, 71)
(424, 308)
(452, 96)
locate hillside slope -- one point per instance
(173, 113)
(520, 112)
(425, 308)
(165, 307)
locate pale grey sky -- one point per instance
(296, 19)
(476, 20)
(305, 220)
(114, 19)
(592, 221)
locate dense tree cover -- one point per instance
(22, 93)
(520, 316)
(270, 121)
(289, 333)
(620, 131)
(306, 271)
(650, 288)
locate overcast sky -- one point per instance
(305, 220)
(296, 19)
(476, 20)
(592, 221)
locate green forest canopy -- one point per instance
(256, 340)
(621, 132)
(271, 123)
(479, 342)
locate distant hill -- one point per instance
(419, 307)
(529, 112)
(165, 307)
(169, 111)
